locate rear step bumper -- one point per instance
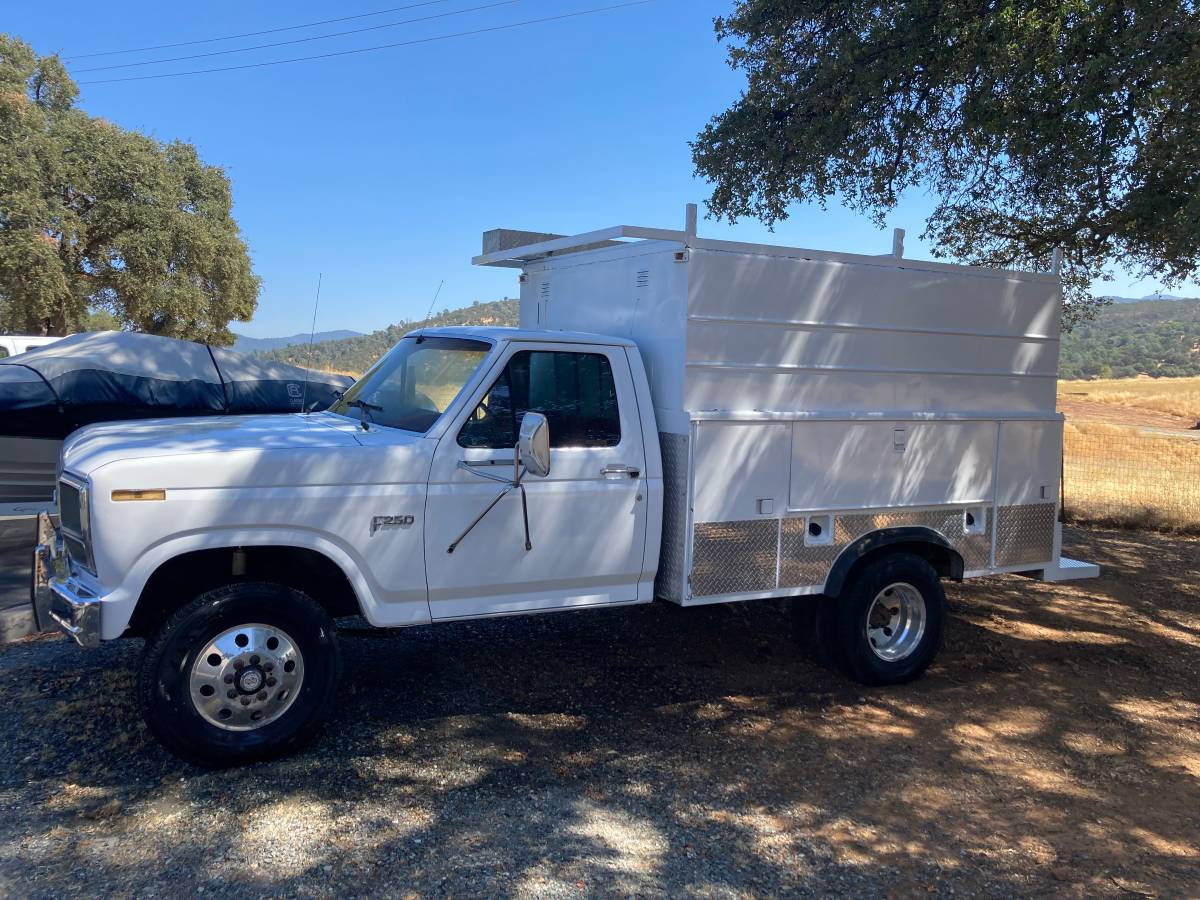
(1068, 570)
(1065, 569)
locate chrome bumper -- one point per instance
(58, 601)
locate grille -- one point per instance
(72, 512)
(68, 508)
(75, 549)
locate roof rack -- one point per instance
(513, 249)
(508, 248)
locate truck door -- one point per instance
(587, 518)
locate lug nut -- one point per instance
(229, 678)
(262, 695)
(270, 682)
(254, 660)
(245, 701)
(232, 694)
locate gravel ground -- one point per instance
(1054, 749)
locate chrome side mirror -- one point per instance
(533, 445)
(532, 452)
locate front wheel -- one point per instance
(886, 627)
(244, 672)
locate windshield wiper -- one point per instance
(365, 409)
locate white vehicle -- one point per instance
(692, 420)
(15, 344)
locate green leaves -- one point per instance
(1035, 125)
(96, 219)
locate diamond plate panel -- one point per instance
(1025, 534)
(802, 566)
(669, 581)
(734, 557)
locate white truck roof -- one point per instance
(505, 333)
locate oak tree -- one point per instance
(98, 219)
(1034, 124)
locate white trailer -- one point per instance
(698, 421)
(813, 403)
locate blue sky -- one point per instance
(381, 170)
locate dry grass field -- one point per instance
(1177, 397)
(1131, 452)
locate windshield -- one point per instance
(414, 382)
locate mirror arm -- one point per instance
(479, 518)
(525, 515)
(509, 486)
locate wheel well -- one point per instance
(181, 579)
(923, 542)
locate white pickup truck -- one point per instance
(694, 420)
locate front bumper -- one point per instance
(59, 600)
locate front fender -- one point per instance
(118, 604)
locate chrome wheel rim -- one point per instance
(246, 677)
(896, 621)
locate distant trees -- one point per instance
(96, 219)
(357, 354)
(1154, 337)
(1035, 124)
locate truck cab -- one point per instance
(406, 503)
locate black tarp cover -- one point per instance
(112, 375)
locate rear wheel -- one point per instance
(244, 672)
(886, 627)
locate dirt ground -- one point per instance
(1054, 750)
(1081, 409)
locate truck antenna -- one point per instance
(311, 335)
(434, 300)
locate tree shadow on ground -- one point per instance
(1053, 748)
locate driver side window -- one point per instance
(575, 392)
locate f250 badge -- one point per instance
(380, 522)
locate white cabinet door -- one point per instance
(587, 519)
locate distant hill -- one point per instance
(357, 354)
(1145, 337)
(245, 344)
(1116, 299)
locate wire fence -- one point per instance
(1131, 477)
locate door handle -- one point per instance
(612, 470)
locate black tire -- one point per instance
(164, 685)
(842, 621)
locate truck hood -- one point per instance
(96, 446)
